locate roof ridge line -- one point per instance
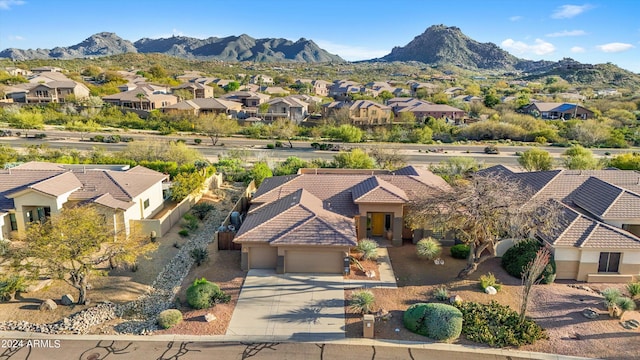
(117, 184)
(561, 171)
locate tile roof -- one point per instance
(297, 219)
(376, 190)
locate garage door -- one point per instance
(314, 262)
(263, 257)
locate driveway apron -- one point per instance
(291, 306)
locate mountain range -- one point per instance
(231, 48)
(438, 45)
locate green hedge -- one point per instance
(518, 256)
(460, 251)
(204, 294)
(434, 320)
(497, 325)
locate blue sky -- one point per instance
(591, 32)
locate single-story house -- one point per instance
(141, 98)
(34, 191)
(201, 106)
(599, 236)
(307, 222)
(553, 111)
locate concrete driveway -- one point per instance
(291, 306)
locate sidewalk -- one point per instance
(387, 276)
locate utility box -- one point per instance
(368, 322)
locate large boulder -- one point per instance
(67, 300)
(48, 305)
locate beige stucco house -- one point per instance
(599, 236)
(34, 191)
(308, 222)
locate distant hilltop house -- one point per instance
(308, 222)
(554, 111)
(35, 191)
(47, 87)
(599, 236)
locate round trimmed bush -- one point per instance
(436, 321)
(204, 294)
(169, 318)
(518, 256)
(460, 251)
(428, 248)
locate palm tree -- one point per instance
(140, 96)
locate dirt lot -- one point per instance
(556, 307)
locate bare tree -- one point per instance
(483, 210)
(531, 276)
(388, 157)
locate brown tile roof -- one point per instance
(297, 219)
(111, 202)
(58, 184)
(376, 190)
(14, 180)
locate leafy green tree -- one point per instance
(491, 99)
(354, 159)
(7, 155)
(536, 160)
(183, 94)
(232, 86)
(347, 133)
(440, 98)
(579, 158)
(260, 172)
(74, 243)
(186, 183)
(82, 127)
(216, 126)
(406, 117)
(27, 120)
(284, 129)
(290, 166)
(628, 161)
(386, 95)
(421, 135)
(158, 72)
(148, 150)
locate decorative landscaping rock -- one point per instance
(370, 273)
(455, 299)
(590, 313)
(383, 315)
(48, 305)
(38, 285)
(490, 290)
(210, 317)
(67, 300)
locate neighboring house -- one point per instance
(199, 91)
(599, 236)
(553, 111)
(42, 69)
(15, 71)
(141, 98)
(429, 88)
(247, 98)
(205, 106)
(320, 87)
(261, 79)
(468, 99)
(361, 112)
(46, 92)
(309, 221)
(342, 89)
(288, 107)
(453, 91)
(271, 90)
(34, 191)
(423, 109)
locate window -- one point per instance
(609, 262)
(387, 221)
(14, 222)
(146, 203)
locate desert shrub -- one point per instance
(460, 251)
(487, 280)
(610, 296)
(203, 294)
(197, 141)
(190, 222)
(183, 232)
(10, 285)
(201, 210)
(497, 325)
(441, 293)
(437, 321)
(169, 318)
(625, 304)
(362, 301)
(491, 149)
(368, 248)
(633, 289)
(271, 146)
(518, 256)
(428, 248)
(200, 255)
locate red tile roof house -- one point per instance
(308, 222)
(34, 191)
(599, 236)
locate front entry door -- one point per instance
(377, 224)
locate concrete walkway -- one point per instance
(291, 306)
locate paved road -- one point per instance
(199, 350)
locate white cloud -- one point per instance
(567, 33)
(515, 18)
(349, 52)
(8, 4)
(16, 38)
(569, 11)
(577, 49)
(539, 47)
(614, 47)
